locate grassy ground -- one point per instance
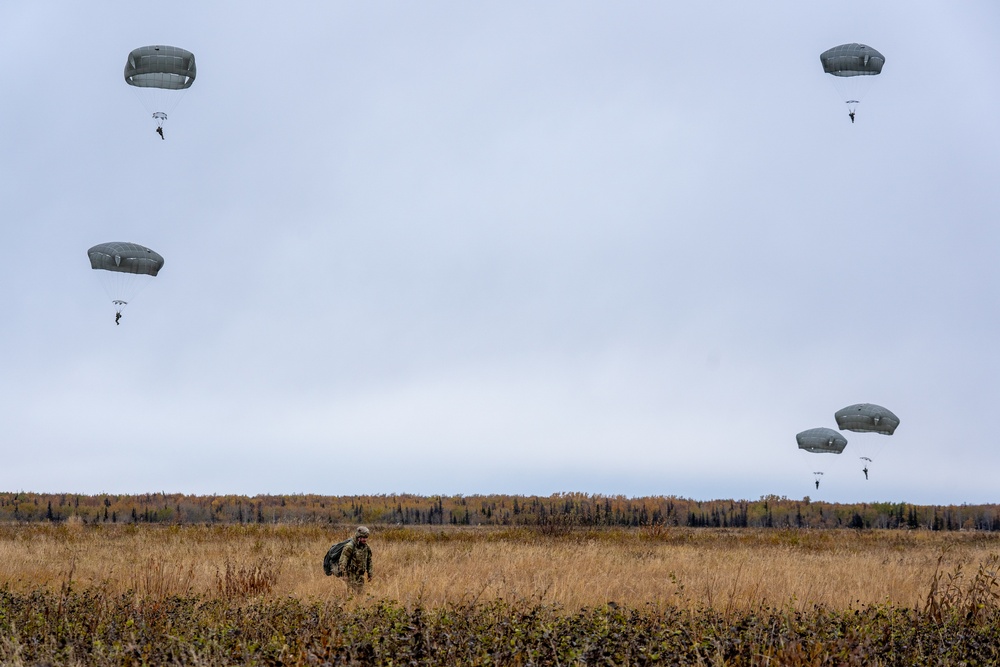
(726, 570)
(72, 594)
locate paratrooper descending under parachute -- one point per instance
(160, 75)
(853, 68)
(124, 268)
(867, 418)
(821, 441)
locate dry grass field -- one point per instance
(727, 570)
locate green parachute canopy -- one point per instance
(124, 268)
(159, 76)
(853, 59)
(125, 257)
(821, 441)
(867, 418)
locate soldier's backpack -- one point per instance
(331, 561)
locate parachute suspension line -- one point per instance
(166, 102)
(122, 286)
(870, 446)
(133, 286)
(852, 89)
(160, 103)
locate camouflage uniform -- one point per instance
(356, 561)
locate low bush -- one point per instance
(86, 627)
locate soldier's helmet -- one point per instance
(361, 532)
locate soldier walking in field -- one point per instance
(356, 561)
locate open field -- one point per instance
(75, 594)
(727, 570)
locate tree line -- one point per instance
(558, 510)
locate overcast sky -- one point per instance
(503, 247)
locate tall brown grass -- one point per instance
(729, 570)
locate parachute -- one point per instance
(159, 76)
(124, 269)
(867, 418)
(821, 441)
(331, 560)
(853, 68)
